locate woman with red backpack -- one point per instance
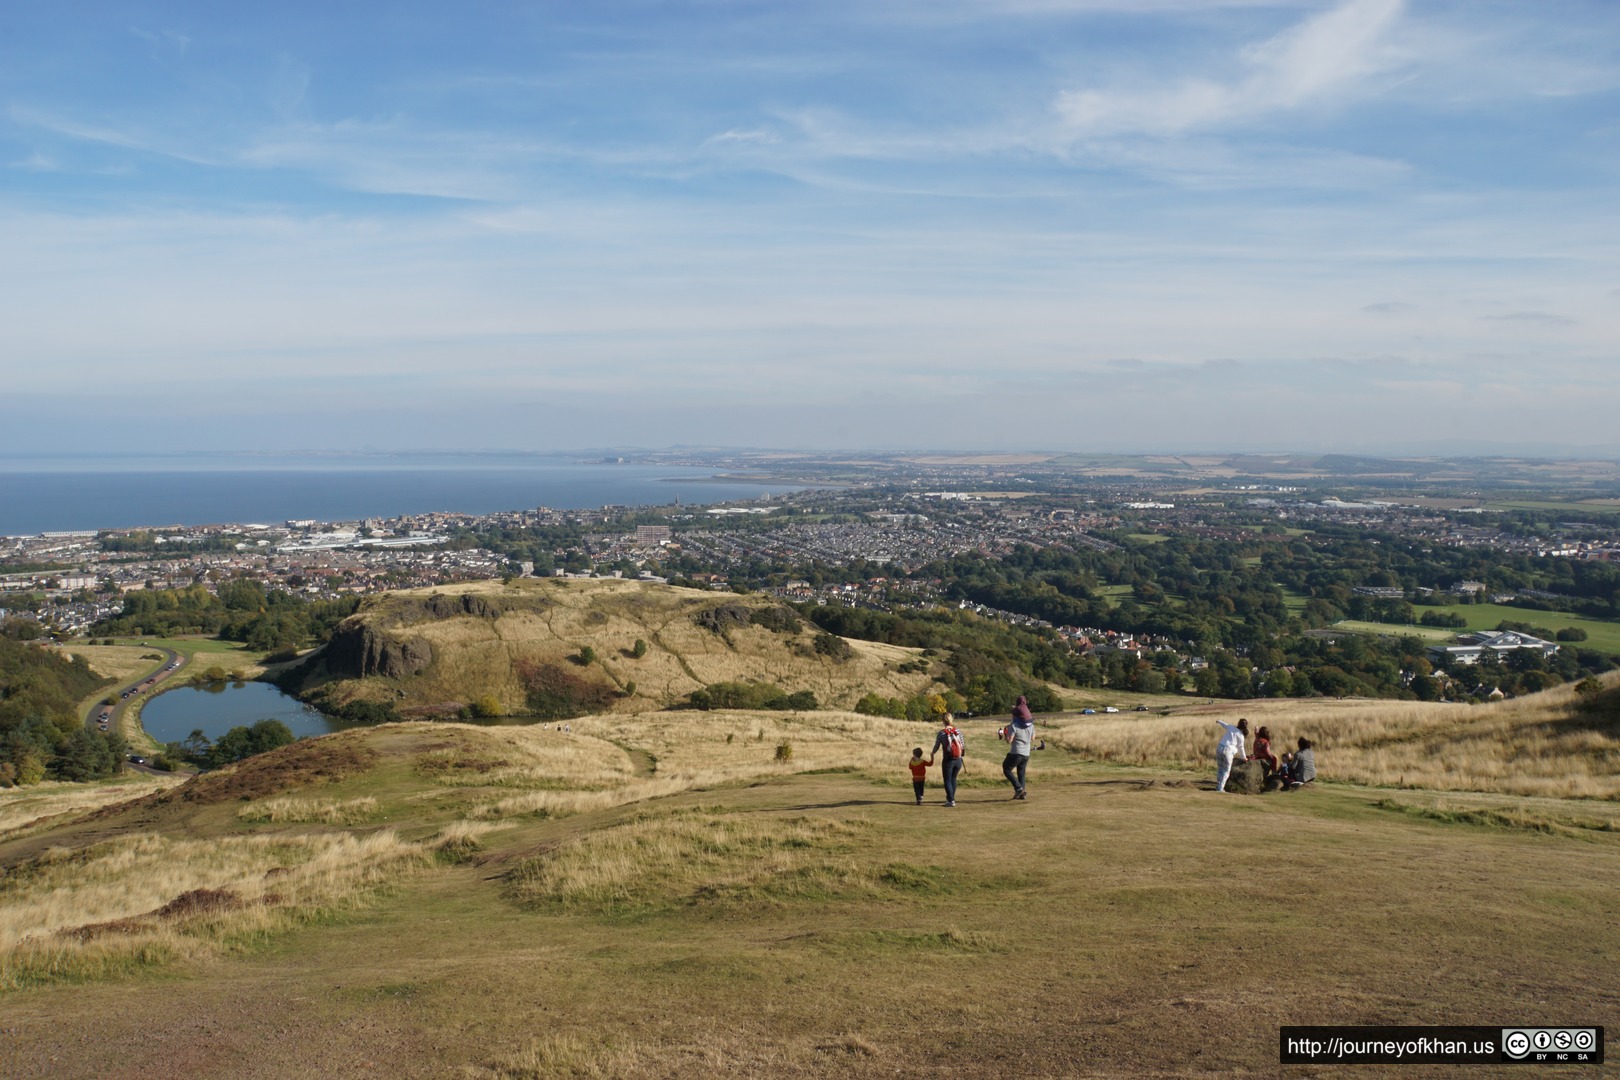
(950, 747)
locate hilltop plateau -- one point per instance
(754, 893)
(554, 648)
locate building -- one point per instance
(652, 534)
(1470, 647)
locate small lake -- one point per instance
(216, 708)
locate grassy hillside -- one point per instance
(728, 893)
(434, 652)
(1554, 743)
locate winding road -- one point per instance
(130, 693)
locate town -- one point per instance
(1299, 560)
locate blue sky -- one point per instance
(1057, 224)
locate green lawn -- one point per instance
(1600, 505)
(192, 646)
(1601, 635)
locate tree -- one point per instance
(244, 742)
(639, 649)
(1208, 682)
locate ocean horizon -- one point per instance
(56, 499)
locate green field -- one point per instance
(1589, 505)
(1600, 635)
(192, 646)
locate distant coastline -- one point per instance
(36, 502)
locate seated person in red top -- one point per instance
(1262, 750)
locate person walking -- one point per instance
(1229, 750)
(919, 772)
(1020, 737)
(951, 748)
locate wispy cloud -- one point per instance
(1532, 318)
(1324, 60)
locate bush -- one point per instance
(555, 693)
(833, 647)
(1571, 633)
(244, 742)
(485, 707)
(784, 752)
(746, 695)
(639, 649)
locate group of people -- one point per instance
(950, 746)
(1296, 768)
(1293, 770)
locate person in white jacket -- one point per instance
(1229, 750)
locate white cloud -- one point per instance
(1323, 60)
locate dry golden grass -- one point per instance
(554, 773)
(146, 897)
(659, 858)
(1539, 745)
(696, 750)
(550, 620)
(716, 1053)
(317, 811)
(121, 662)
(22, 808)
(533, 756)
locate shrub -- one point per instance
(747, 695)
(784, 751)
(244, 742)
(1571, 633)
(486, 706)
(639, 649)
(782, 620)
(833, 647)
(555, 693)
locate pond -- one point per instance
(216, 708)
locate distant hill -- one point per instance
(556, 647)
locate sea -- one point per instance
(66, 494)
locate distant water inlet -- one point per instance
(216, 708)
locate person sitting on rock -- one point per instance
(1262, 750)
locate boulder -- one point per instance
(1248, 778)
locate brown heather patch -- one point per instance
(330, 758)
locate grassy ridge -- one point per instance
(659, 895)
(554, 621)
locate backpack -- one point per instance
(953, 742)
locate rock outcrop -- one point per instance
(358, 650)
